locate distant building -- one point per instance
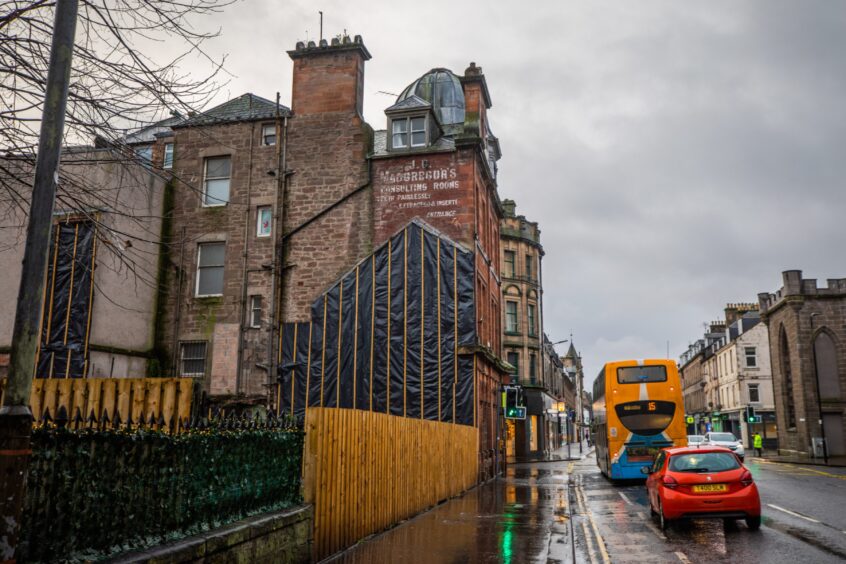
(727, 371)
(807, 339)
(103, 278)
(525, 347)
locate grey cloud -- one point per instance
(677, 156)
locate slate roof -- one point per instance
(247, 107)
(148, 134)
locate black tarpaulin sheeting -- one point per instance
(380, 334)
(65, 325)
(396, 362)
(346, 374)
(466, 300)
(386, 336)
(315, 372)
(330, 347)
(431, 347)
(414, 283)
(465, 390)
(364, 339)
(447, 255)
(300, 360)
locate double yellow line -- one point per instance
(581, 502)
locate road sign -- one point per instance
(515, 412)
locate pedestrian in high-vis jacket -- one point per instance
(757, 443)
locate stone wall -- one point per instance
(284, 536)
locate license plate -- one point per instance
(708, 488)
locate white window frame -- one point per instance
(510, 265)
(532, 319)
(168, 151)
(757, 388)
(255, 312)
(182, 348)
(199, 268)
(206, 178)
(259, 231)
(516, 326)
(409, 132)
(754, 356)
(264, 134)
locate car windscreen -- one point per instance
(640, 374)
(695, 438)
(723, 437)
(704, 462)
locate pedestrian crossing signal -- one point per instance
(513, 403)
(750, 415)
(515, 412)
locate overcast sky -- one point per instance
(677, 155)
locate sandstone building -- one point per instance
(807, 332)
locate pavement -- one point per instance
(566, 452)
(566, 511)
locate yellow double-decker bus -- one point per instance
(637, 410)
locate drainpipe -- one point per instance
(244, 273)
(277, 265)
(181, 269)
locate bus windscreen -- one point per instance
(641, 374)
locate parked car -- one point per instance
(725, 440)
(693, 440)
(701, 481)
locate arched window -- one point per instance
(825, 357)
(787, 389)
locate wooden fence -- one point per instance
(365, 471)
(139, 398)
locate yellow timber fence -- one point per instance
(364, 471)
(168, 399)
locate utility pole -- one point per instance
(15, 415)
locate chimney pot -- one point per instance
(335, 41)
(311, 45)
(323, 43)
(300, 45)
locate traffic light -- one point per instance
(750, 414)
(513, 406)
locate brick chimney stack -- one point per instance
(329, 77)
(477, 100)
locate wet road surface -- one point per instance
(568, 512)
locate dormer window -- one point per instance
(408, 130)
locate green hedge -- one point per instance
(92, 493)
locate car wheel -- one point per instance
(754, 523)
(662, 521)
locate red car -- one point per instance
(702, 481)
